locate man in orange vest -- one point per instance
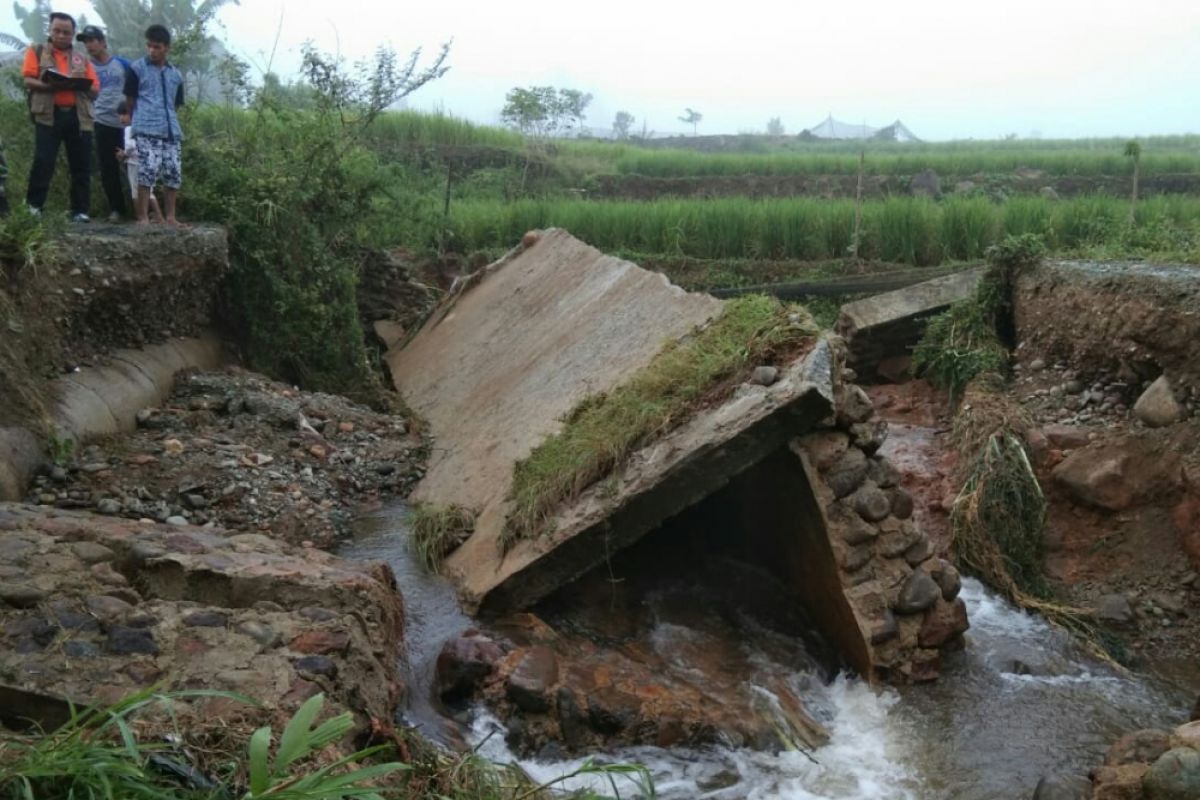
(61, 107)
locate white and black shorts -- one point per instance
(159, 160)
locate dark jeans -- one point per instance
(108, 141)
(46, 139)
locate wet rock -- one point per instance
(1118, 476)
(918, 593)
(109, 506)
(920, 551)
(611, 710)
(856, 558)
(883, 473)
(1188, 734)
(948, 579)
(901, 504)
(1157, 407)
(871, 503)
(205, 619)
(529, 684)
(21, 595)
(1139, 747)
(942, 623)
(123, 641)
(1174, 776)
(176, 520)
(884, 628)
(853, 406)
(764, 376)
(855, 531)
(825, 448)
(79, 648)
(91, 552)
(869, 436)
(571, 719)
(260, 632)
(848, 473)
(1066, 437)
(107, 608)
(317, 665)
(321, 642)
(894, 543)
(1115, 609)
(1063, 786)
(1119, 783)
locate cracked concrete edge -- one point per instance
(102, 401)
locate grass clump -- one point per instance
(437, 531)
(604, 429)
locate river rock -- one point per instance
(883, 473)
(872, 503)
(869, 436)
(529, 684)
(1062, 786)
(856, 558)
(894, 542)
(848, 473)
(1119, 475)
(918, 593)
(464, 662)
(943, 622)
(1119, 783)
(853, 406)
(764, 376)
(902, 504)
(1139, 747)
(1174, 776)
(884, 628)
(920, 551)
(947, 577)
(1188, 734)
(825, 448)
(1157, 407)
(1115, 609)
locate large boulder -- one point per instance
(1139, 747)
(1157, 407)
(1174, 776)
(1120, 475)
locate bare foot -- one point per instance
(174, 223)
(142, 222)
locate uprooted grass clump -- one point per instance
(965, 341)
(437, 531)
(685, 375)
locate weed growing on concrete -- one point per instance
(603, 430)
(438, 530)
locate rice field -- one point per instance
(912, 231)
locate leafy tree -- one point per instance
(1133, 151)
(622, 123)
(775, 127)
(34, 22)
(691, 117)
(543, 111)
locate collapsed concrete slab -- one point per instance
(887, 326)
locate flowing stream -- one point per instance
(1021, 700)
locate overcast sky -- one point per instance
(949, 69)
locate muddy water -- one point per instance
(1020, 701)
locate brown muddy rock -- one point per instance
(1063, 787)
(944, 621)
(849, 526)
(1115, 609)
(1118, 476)
(465, 662)
(1157, 407)
(1139, 747)
(1067, 437)
(1119, 783)
(902, 504)
(920, 552)
(530, 683)
(202, 610)
(1187, 734)
(895, 369)
(883, 473)
(897, 537)
(856, 558)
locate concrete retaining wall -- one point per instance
(101, 401)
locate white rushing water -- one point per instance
(1021, 701)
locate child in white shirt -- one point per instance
(130, 156)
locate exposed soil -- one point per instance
(246, 453)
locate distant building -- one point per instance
(835, 129)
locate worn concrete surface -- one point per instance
(889, 325)
(497, 367)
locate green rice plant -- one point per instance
(603, 430)
(957, 346)
(968, 228)
(439, 530)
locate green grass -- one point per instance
(604, 429)
(438, 530)
(913, 231)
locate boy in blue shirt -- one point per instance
(109, 133)
(154, 93)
